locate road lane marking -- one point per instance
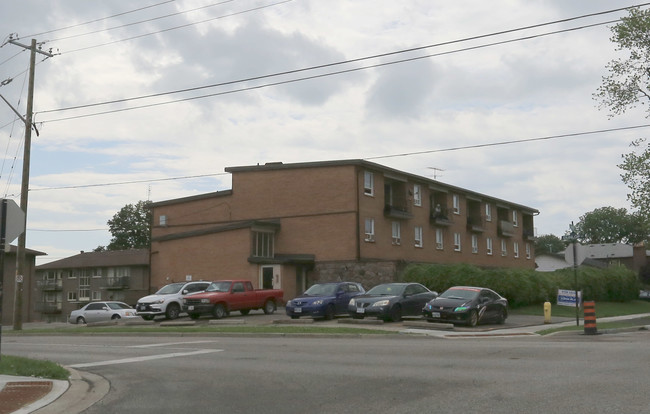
(171, 343)
(144, 358)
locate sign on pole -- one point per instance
(14, 224)
(568, 297)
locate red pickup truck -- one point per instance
(224, 296)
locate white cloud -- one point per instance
(535, 88)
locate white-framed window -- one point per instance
(72, 296)
(488, 246)
(527, 250)
(50, 297)
(84, 294)
(515, 218)
(96, 295)
(440, 239)
(370, 230)
(488, 212)
(457, 242)
(515, 250)
(263, 244)
(504, 248)
(417, 195)
(96, 272)
(368, 183)
(418, 237)
(474, 243)
(397, 230)
(162, 220)
(456, 203)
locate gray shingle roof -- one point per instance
(133, 257)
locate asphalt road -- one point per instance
(395, 374)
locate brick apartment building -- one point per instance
(68, 284)
(8, 287)
(291, 225)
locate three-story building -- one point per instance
(291, 225)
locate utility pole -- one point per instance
(21, 265)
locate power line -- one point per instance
(414, 49)
(179, 27)
(127, 182)
(406, 154)
(100, 19)
(516, 141)
(141, 21)
(296, 79)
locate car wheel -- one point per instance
(269, 307)
(173, 310)
(218, 311)
(245, 311)
(329, 312)
(194, 316)
(81, 320)
(396, 313)
(115, 317)
(501, 319)
(147, 317)
(472, 320)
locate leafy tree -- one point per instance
(610, 225)
(628, 82)
(626, 86)
(130, 228)
(548, 243)
(637, 177)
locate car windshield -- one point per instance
(322, 290)
(219, 287)
(455, 293)
(390, 289)
(170, 289)
(118, 305)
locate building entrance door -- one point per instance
(270, 277)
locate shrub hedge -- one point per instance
(524, 287)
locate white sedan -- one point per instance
(102, 311)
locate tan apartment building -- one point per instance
(291, 225)
(68, 284)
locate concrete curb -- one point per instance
(85, 389)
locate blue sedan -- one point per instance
(324, 300)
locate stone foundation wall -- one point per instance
(368, 273)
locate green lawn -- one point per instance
(25, 367)
(603, 309)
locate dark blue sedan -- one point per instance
(324, 300)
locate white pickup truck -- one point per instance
(168, 300)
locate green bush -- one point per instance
(524, 287)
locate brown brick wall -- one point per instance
(321, 212)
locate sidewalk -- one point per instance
(23, 395)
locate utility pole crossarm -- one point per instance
(14, 42)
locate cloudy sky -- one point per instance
(155, 103)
